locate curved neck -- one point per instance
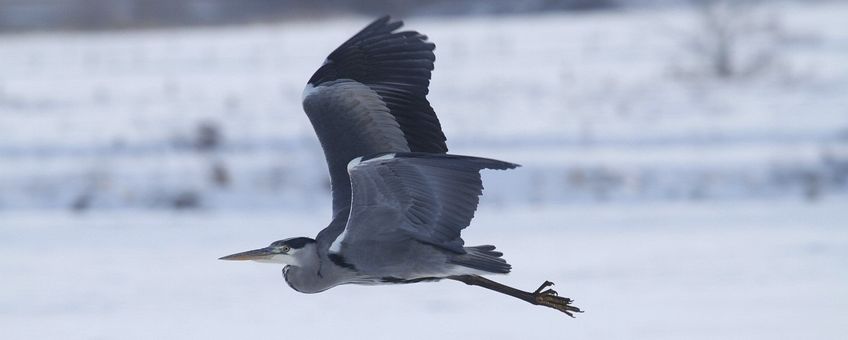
(316, 274)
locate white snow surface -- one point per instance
(755, 270)
(670, 205)
(597, 106)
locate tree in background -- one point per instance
(734, 38)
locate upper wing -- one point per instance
(397, 66)
(351, 120)
(369, 96)
(426, 197)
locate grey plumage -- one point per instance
(430, 198)
(351, 120)
(407, 213)
(399, 201)
(484, 258)
(396, 67)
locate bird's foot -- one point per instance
(550, 298)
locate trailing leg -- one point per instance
(541, 296)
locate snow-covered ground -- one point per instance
(669, 204)
(757, 270)
(597, 106)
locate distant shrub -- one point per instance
(186, 200)
(219, 174)
(732, 39)
(208, 136)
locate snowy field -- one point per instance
(775, 270)
(669, 203)
(599, 106)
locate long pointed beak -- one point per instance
(256, 254)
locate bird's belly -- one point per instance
(390, 280)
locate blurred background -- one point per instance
(685, 166)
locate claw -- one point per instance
(550, 298)
(544, 285)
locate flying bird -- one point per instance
(400, 201)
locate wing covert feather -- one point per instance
(426, 197)
(350, 120)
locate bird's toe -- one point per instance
(550, 298)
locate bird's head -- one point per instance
(291, 251)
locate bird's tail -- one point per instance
(484, 258)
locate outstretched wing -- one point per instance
(369, 96)
(393, 69)
(426, 197)
(397, 66)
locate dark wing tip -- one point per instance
(478, 162)
(397, 65)
(379, 53)
(495, 164)
(382, 20)
(381, 24)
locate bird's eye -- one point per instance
(285, 249)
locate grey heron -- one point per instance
(399, 200)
